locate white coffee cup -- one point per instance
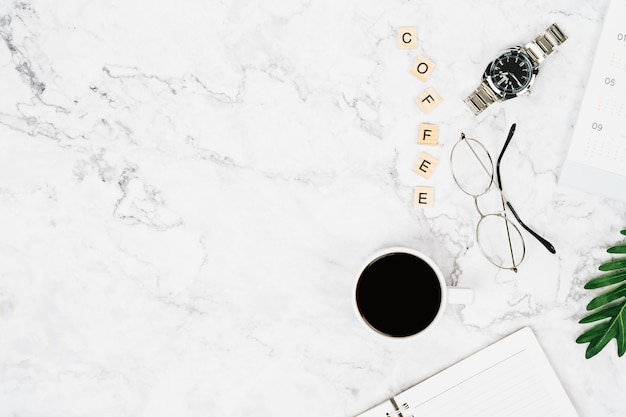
(400, 293)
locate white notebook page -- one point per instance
(596, 161)
(511, 378)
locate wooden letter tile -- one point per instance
(427, 134)
(407, 37)
(424, 197)
(422, 68)
(428, 100)
(425, 165)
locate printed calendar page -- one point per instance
(596, 161)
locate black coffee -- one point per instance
(398, 294)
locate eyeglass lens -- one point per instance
(500, 241)
(472, 167)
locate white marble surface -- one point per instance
(187, 189)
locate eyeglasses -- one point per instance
(500, 240)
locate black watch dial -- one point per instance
(511, 72)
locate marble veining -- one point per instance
(187, 191)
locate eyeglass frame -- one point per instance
(505, 202)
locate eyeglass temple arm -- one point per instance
(543, 241)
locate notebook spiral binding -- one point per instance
(398, 412)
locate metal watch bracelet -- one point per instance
(481, 98)
(538, 49)
(544, 44)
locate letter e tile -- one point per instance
(425, 165)
(424, 197)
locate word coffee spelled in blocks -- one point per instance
(425, 165)
(428, 100)
(407, 37)
(422, 68)
(427, 134)
(424, 197)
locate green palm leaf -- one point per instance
(606, 280)
(607, 297)
(594, 333)
(604, 313)
(609, 308)
(617, 249)
(610, 266)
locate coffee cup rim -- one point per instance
(401, 249)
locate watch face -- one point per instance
(511, 72)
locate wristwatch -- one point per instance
(513, 72)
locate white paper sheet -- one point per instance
(510, 378)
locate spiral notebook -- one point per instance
(512, 378)
(596, 161)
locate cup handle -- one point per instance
(458, 295)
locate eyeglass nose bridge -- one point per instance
(497, 192)
(480, 212)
